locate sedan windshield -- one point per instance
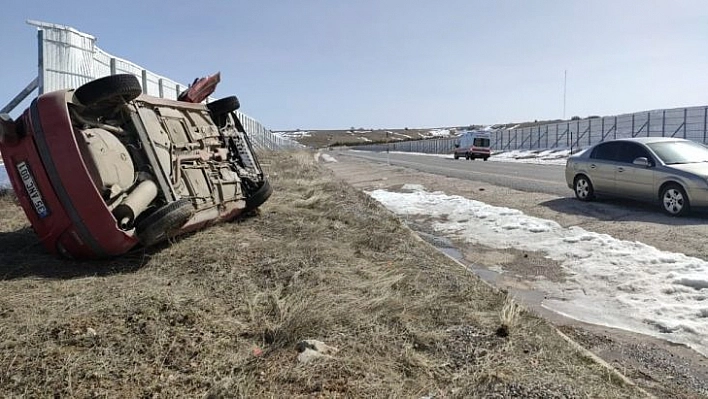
(675, 152)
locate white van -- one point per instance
(473, 144)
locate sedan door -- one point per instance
(602, 166)
(636, 181)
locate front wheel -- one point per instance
(583, 188)
(674, 200)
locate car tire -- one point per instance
(485, 158)
(260, 196)
(456, 156)
(467, 156)
(159, 225)
(583, 188)
(224, 105)
(674, 201)
(109, 90)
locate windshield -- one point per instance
(675, 152)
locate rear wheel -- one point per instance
(224, 105)
(485, 158)
(674, 200)
(161, 224)
(456, 156)
(109, 91)
(583, 188)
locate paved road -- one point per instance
(548, 179)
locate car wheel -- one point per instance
(220, 109)
(674, 200)
(467, 156)
(109, 90)
(583, 188)
(456, 156)
(260, 196)
(485, 158)
(159, 225)
(224, 105)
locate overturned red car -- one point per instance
(101, 169)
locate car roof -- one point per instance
(646, 140)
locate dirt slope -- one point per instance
(220, 313)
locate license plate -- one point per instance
(32, 190)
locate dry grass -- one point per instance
(219, 313)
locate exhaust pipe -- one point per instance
(134, 204)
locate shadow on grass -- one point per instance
(22, 255)
(608, 209)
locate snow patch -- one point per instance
(611, 282)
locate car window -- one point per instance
(677, 152)
(606, 151)
(630, 151)
(481, 142)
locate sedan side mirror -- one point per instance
(642, 161)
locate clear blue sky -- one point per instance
(316, 64)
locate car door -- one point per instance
(602, 165)
(632, 180)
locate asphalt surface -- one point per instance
(549, 179)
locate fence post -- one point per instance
(602, 129)
(705, 119)
(114, 69)
(589, 132)
(556, 134)
(145, 81)
(161, 88)
(178, 90)
(663, 123)
(546, 136)
(648, 124)
(615, 133)
(685, 114)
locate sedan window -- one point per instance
(677, 152)
(631, 151)
(606, 151)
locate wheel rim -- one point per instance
(673, 201)
(582, 188)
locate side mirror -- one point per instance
(642, 161)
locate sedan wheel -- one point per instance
(674, 200)
(583, 188)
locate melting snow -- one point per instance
(622, 284)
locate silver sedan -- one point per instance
(671, 171)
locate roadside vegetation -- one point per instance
(231, 311)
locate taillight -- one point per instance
(8, 130)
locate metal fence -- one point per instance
(69, 58)
(687, 123)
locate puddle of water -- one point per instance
(528, 297)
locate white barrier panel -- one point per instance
(69, 58)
